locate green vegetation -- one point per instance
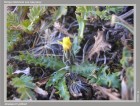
(71, 52)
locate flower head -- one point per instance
(66, 43)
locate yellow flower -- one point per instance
(66, 43)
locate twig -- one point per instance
(53, 91)
(104, 58)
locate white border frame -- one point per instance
(94, 101)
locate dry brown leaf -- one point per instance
(99, 45)
(124, 90)
(105, 91)
(26, 71)
(61, 29)
(40, 91)
(42, 82)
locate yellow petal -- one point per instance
(66, 43)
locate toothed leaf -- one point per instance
(55, 77)
(82, 12)
(84, 69)
(13, 37)
(62, 10)
(63, 89)
(35, 13)
(24, 85)
(48, 62)
(12, 19)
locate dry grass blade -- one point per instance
(99, 45)
(52, 93)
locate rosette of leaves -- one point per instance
(34, 16)
(24, 87)
(13, 36)
(12, 19)
(36, 12)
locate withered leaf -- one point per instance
(42, 82)
(40, 91)
(99, 45)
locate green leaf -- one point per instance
(113, 80)
(82, 12)
(24, 85)
(27, 26)
(35, 13)
(26, 93)
(76, 46)
(85, 69)
(102, 70)
(54, 63)
(25, 23)
(110, 79)
(63, 90)
(17, 82)
(130, 76)
(28, 81)
(62, 10)
(10, 69)
(55, 77)
(126, 57)
(81, 23)
(48, 62)
(23, 81)
(13, 37)
(105, 14)
(12, 19)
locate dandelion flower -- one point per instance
(66, 43)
